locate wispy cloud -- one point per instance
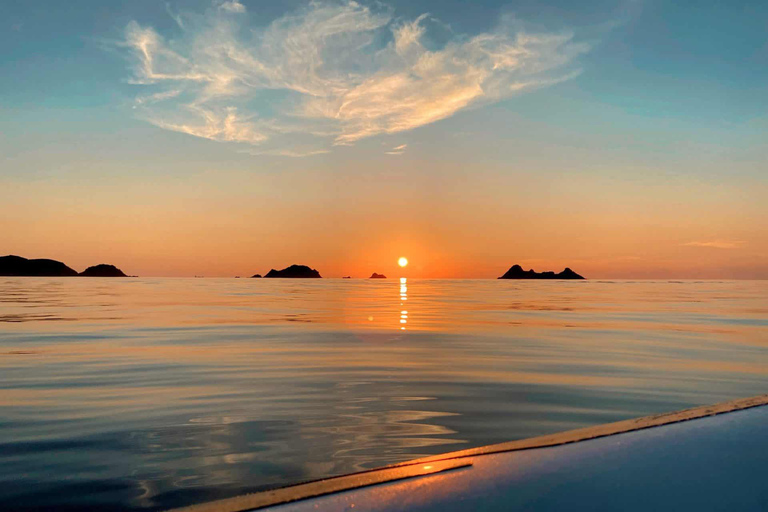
(717, 244)
(293, 153)
(329, 73)
(154, 98)
(398, 150)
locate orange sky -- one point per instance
(347, 223)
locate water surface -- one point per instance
(144, 394)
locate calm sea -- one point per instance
(143, 394)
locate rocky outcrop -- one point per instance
(18, 266)
(103, 270)
(517, 272)
(569, 274)
(256, 276)
(295, 271)
(377, 276)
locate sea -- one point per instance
(133, 394)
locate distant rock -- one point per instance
(256, 276)
(517, 272)
(295, 271)
(103, 270)
(18, 266)
(347, 277)
(569, 274)
(377, 276)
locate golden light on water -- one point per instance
(403, 262)
(403, 296)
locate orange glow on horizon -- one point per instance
(682, 233)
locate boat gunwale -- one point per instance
(455, 460)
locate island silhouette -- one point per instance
(517, 272)
(22, 267)
(103, 270)
(256, 276)
(17, 266)
(295, 271)
(12, 265)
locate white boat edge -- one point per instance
(461, 459)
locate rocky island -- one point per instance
(22, 267)
(103, 270)
(256, 276)
(517, 272)
(377, 276)
(17, 266)
(295, 271)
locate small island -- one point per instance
(377, 276)
(256, 276)
(295, 272)
(517, 272)
(103, 270)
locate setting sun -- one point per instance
(403, 262)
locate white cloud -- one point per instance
(232, 6)
(717, 244)
(329, 74)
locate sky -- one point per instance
(623, 139)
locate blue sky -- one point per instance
(645, 59)
(633, 102)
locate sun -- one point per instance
(403, 262)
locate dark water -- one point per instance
(127, 394)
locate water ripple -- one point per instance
(144, 394)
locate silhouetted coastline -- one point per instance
(295, 272)
(377, 276)
(517, 272)
(17, 266)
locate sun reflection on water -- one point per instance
(403, 298)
